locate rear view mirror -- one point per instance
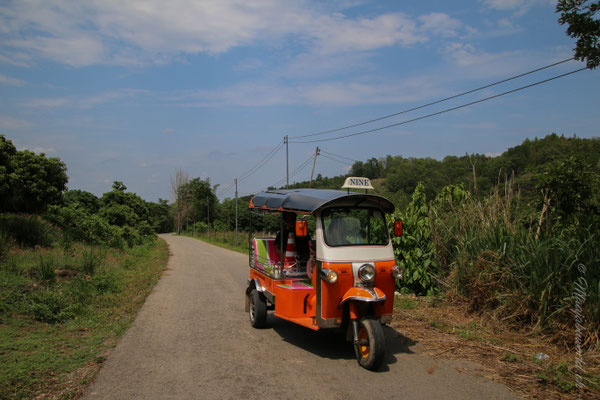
(398, 226)
(301, 228)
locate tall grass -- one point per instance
(495, 259)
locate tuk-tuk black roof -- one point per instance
(310, 200)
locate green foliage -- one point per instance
(159, 217)
(52, 307)
(91, 259)
(571, 187)
(5, 245)
(584, 25)
(414, 250)
(27, 230)
(44, 270)
(29, 182)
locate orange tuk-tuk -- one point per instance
(340, 275)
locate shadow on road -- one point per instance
(332, 344)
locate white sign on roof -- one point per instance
(355, 182)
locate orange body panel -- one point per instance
(291, 304)
(332, 293)
(386, 282)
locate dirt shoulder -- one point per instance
(486, 348)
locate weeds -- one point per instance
(44, 269)
(91, 260)
(5, 246)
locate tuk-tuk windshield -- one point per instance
(349, 226)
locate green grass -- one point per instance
(50, 332)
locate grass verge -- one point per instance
(61, 311)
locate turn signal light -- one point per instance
(397, 272)
(329, 276)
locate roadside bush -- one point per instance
(415, 251)
(28, 230)
(51, 307)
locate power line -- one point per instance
(337, 155)
(444, 111)
(434, 102)
(262, 162)
(333, 159)
(294, 173)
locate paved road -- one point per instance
(192, 340)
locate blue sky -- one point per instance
(133, 90)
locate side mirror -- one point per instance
(301, 228)
(398, 226)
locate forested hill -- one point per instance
(397, 176)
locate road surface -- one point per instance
(192, 340)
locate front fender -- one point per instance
(252, 284)
(369, 295)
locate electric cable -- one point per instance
(444, 111)
(261, 163)
(333, 159)
(337, 155)
(434, 102)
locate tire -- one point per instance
(370, 351)
(258, 310)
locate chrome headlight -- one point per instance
(366, 273)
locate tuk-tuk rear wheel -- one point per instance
(258, 310)
(370, 349)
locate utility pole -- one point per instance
(313, 170)
(208, 215)
(236, 213)
(287, 162)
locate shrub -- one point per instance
(105, 282)
(51, 307)
(28, 230)
(415, 251)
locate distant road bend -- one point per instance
(192, 340)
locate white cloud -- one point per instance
(441, 24)
(334, 93)
(47, 102)
(9, 123)
(157, 31)
(168, 131)
(518, 7)
(84, 102)
(7, 80)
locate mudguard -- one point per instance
(370, 295)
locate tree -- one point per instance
(181, 197)
(86, 201)
(202, 200)
(29, 182)
(123, 209)
(584, 25)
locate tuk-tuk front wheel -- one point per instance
(258, 310)
(370, 344)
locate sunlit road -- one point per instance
(192, 340)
